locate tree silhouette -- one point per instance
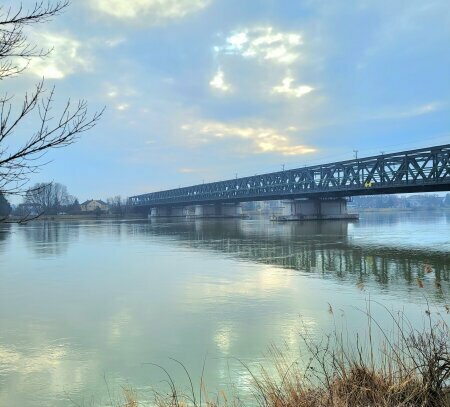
(18, 161)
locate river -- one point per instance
(86, 307)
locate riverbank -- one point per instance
(399, 210)
(408, 368)
(354, 210)
(253, 214)
(77, 217)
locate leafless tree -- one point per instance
(5, 208)
(48, 197)
(116, 204)
(20, 159)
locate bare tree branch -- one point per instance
(22, 150)
(14, 44)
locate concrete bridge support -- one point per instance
(198, 211)
(204, 211)
(230, 210)
(159, 212)
(215, 211)
(167, 212)
(316, 209)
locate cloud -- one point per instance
(398, 113)
(122, 106)
(286, 88)
(114, 42)
(274, 51)
(66, 57)
(153, 11)
(186, 170)
(421, 110)
(259, 139)
(121, 90)
(218, 82)
(122, 95)
(263, 43)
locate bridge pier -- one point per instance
(230, 211)
(167, 212)
(316, 209)
(215, 211)
(158, 212)
(198, 211)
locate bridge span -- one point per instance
(312, 192)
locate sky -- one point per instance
(204, 90)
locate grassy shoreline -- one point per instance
(409, 367)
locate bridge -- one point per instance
(312, 192)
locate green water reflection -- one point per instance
(84, 300)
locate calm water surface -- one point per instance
(85, 306)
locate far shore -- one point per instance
(390, 210)
(363, 210)
(94, 216)
(87, 216)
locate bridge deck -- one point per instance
(421, 170)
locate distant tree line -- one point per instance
(117, 205)
(396, 201)
(47, 199)
(54, 198)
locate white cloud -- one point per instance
(259, 139)
(286, 88)
(238, 40)
(122, 96)
(186, 170)
(120, 91)
(122, 106)
(114, 42)
(65, 58)
(421, 110)
(263, 43)
(152, 11)
(398, 113)
(218, 82)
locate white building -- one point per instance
(93, 204)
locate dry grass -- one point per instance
(411, 368)
(130, 398)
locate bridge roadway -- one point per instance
(420, 170)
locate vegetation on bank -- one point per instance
(408, 368)
(52, 201)
(444, 209)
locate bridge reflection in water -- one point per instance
(329, 249)
(317, 248)
(98, 298)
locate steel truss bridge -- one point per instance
(421, 170)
